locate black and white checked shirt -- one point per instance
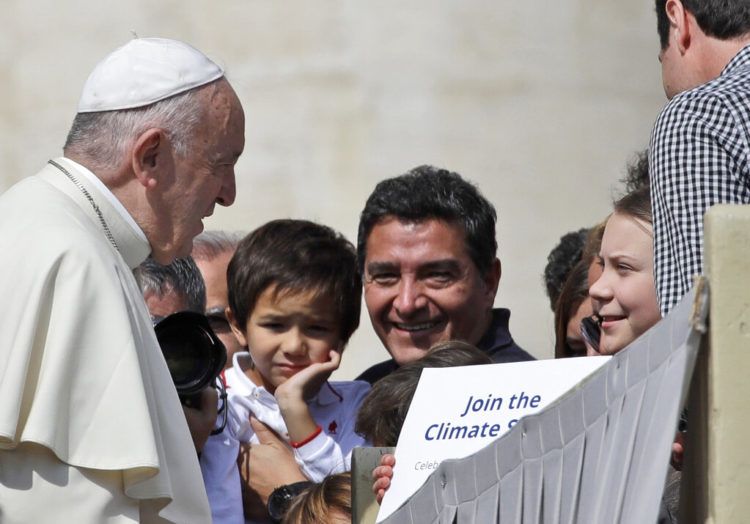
(699, 156)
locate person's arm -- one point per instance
(292, 395)
(263, 468)
(316, 452)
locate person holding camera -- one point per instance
(172, 292)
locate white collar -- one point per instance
(111, 198)
(325, 396)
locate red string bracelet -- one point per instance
(310, 437)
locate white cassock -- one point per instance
(91, 428)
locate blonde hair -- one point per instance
(320, 503)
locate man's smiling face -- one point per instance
(421, 287)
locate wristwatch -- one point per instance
(282, 497)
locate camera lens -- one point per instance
(193, 353)
(186, 354)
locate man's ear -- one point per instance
(492, 280)
(679, 24)
(239, 333)
(148, 155)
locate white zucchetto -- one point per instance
(144, 71)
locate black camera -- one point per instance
(195, 356)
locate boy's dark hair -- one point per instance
(563, 257)
(296, 256)
(383, 410)
(720, 19)
(427, 192)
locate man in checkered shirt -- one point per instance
(701, 140)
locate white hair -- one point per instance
(210, 244)
(181, 278)
(104, 137)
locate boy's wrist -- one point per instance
(296, 444)
(291, 404)
(299, 423)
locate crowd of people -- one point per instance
(106, 244)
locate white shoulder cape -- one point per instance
(81, 372)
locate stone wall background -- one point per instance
(539, 103)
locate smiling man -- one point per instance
(89, 410)
(427, 252)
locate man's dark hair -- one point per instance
(563, 257)
(296, 256)
(427, 192)
(722, 19)
(181, 277)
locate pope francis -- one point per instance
(91, 429)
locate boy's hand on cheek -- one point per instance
(292, 393)
(306, 383)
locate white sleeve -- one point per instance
(320, 457)
(324, 455)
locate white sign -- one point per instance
(458, 411)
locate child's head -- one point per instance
(624, 296)
(329, 502)
(383, 410)
(294, 295)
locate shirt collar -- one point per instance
(328, 395)
(325, 396)
(497, 334)
(741, 59)
(131, 242)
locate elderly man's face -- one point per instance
(161, 306)
(201, 178)
(421, 287)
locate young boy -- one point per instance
(294, 301)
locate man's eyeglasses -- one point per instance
(218, 321)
